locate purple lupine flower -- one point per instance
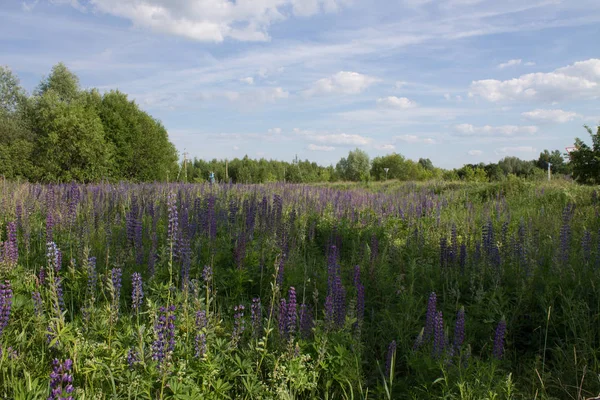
(291, 312)
(207, 274)
(61, 380)
(137, 295)
(238, 324)
(306, 321)
(6, 299)
(439, 340)
(38, 304)
(49, 226)
(59, 296)
(390, 357)
(164, 331)
(430, 318)
(92, 280)
(282, 320)
(360, 297)
(54, 257)
(256, 317)
(459, 329)
(586, 245)
(173, 227)
(133, 357)
(11, 249)
(115, 277)
(498, 350)
(239, 251)
(280, 270)
(42, 276)
(200, 339)
(329, 312)
(339, 302)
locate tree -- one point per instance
(143, 151)
(16, 141)
(12, 95)
(69, 138)
(355, 167)
(556, 160)
(585, 160)
(426, 164)
(62, 81)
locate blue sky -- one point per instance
(456, 81)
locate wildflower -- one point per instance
(137, 295)
(459, 329)
(430, 318)
(61, 380)
(133, 358)
(256, 317)
(6, 298)
(38, 305)
(439, 340)
(498, 350)
(291, 312)
(238, 324)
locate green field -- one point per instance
(438, 290)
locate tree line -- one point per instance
(62, 133)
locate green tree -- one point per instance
(62, 81)
(355, 167)
(69, 137)
(143, 151)
(585, 160)
(16, 140)
(556, 159)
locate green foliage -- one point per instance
(586, 160)
(356, 167)
(557, 161)
(69, 140)
(61, 81)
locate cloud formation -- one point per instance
(580, 80)
(343, 82)
(488, 130)
(546, 116)
(396, 102)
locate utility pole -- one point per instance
(386, 171)
(549, 164)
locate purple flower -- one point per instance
(306, 321)
(92, 276)
(498, 351)
(207, 274)
(238, 324)
(61, 380)
(38, 305)
(391, 353)
(256, 317)
(137, 295)
(115, 277)
(459, 329)
(291, 312)
(200, 339)
(11, 249)
(164, 331)
(439, 340)
(54, 257)
(59, 296)
(430, 318)
(6, 298)
(282, 320)
(133, 358)
(173, 220)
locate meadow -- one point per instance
(437, 290)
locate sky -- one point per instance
(455, 81)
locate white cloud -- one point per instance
(558, 116)
(314, 147)
(529, 64)
(396, 102)
(236, 148)
(517, 149)
(274, 131)
(580, 80)
(510, 63)
(344, 82)
(487, 130)
(400, 84)
(209, 20)
(249, 80)
(414, 139)
(474, 152)
(385, 147)
(341, 139)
